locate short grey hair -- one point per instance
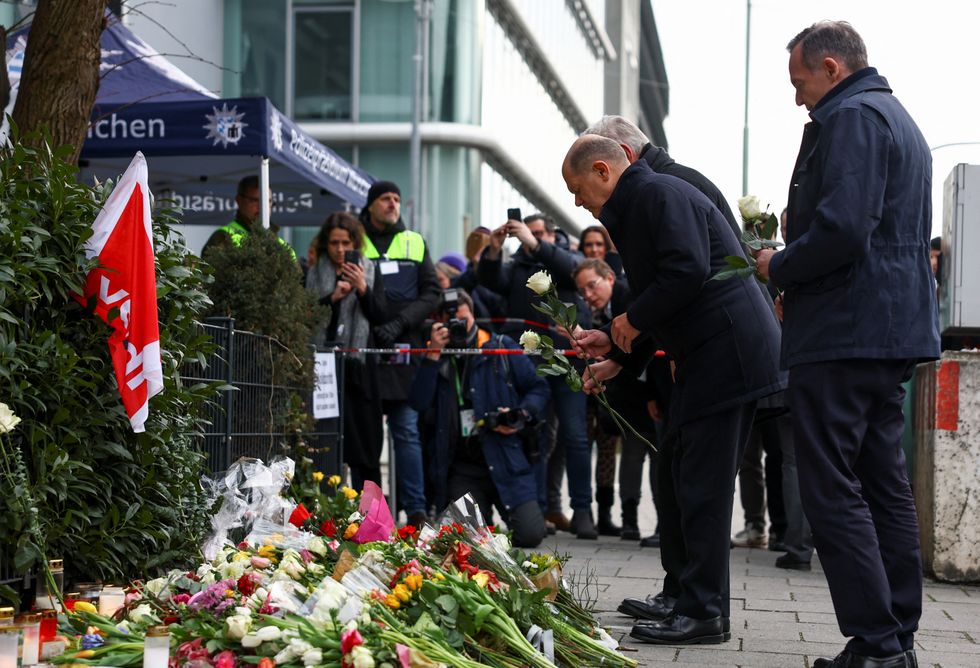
(589, 148)
(620, 130)
(834, 39)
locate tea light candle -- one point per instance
(156, 647)
(9, 646)
(6, 616)
(111, 599)
(31, 625)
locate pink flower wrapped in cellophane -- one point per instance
(378, 523)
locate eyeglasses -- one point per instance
(590, 286)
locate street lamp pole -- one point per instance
(745, 123)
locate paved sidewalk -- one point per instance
(779, 618)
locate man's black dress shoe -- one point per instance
(654, 608)
(652, 540)
(726, 627)
(792, 564)
(681, 630)
(848, 660)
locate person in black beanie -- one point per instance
(412, 292)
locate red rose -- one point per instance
(328, 529)
(247, 584)
(299, 515)
(407, 532)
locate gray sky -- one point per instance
(927, 49)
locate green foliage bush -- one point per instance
(112, 503)
(260, 285)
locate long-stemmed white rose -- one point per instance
(7, 419)
(760, 232)
(540, 283)
(556, 364)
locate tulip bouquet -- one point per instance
(759, 232)
(557, 364)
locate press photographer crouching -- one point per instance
(483, 412)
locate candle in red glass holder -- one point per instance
(49, 625)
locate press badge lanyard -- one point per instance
(467, 421)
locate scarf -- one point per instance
(353, 327)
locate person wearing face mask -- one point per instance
(354, 290)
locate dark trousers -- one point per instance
(797, 538)
(673, 553)
(847, 424)
(706, 458)
(760, 486)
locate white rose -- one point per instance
(540, 282)
(157, 586)
(142, 612)
(530, 341)
(317, 546)
(361, 657)
(7, 419)
(749, 207)
(268, 633)
(314, 657)
(238, 626)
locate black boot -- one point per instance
(631, 528)
(605, 526)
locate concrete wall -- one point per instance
(947, 466)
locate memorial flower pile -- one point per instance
(344, 588)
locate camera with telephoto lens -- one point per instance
(514, 418)
(456, 326)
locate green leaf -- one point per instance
(736, 261)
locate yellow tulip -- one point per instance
(348, 492)
(333, 480)
(438, 577)
(414, 581)
(392, 602)
(317, 476)
(401, 593)
(351, 530)
(85, 654)
(481, 579)
(85, 606)
(241, 556)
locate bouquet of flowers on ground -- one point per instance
(759, 232)
(555, 363)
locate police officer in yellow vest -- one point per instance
(247, 218)
(413, 293)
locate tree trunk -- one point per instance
(61, 71)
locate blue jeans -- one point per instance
(570, 409)
(403, 422)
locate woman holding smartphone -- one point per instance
(352, 287)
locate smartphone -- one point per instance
(352, 256)
(514, 214)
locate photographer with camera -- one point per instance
(485, 413)
(353, 288)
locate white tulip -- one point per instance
(530, 341)
(539, 282)
(251, 641)
(7, 419)
(238, 626)
(749, 207)
(361, 657)
(314, 657)
(267, 633)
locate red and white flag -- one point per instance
(126, 281)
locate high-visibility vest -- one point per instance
(406, 245)
(237, 233)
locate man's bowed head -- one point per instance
(591, 170)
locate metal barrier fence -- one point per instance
(247, 418)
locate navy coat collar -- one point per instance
(859, 82)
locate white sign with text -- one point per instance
(325, 397)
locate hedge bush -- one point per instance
(112, 503)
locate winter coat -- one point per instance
(722, 335)
(491, 382)
(856, 267)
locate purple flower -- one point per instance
(92, 641)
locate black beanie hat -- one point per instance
(379, 188)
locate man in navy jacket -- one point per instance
(722, 336)
(858, 311)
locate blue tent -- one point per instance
(199, 146)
